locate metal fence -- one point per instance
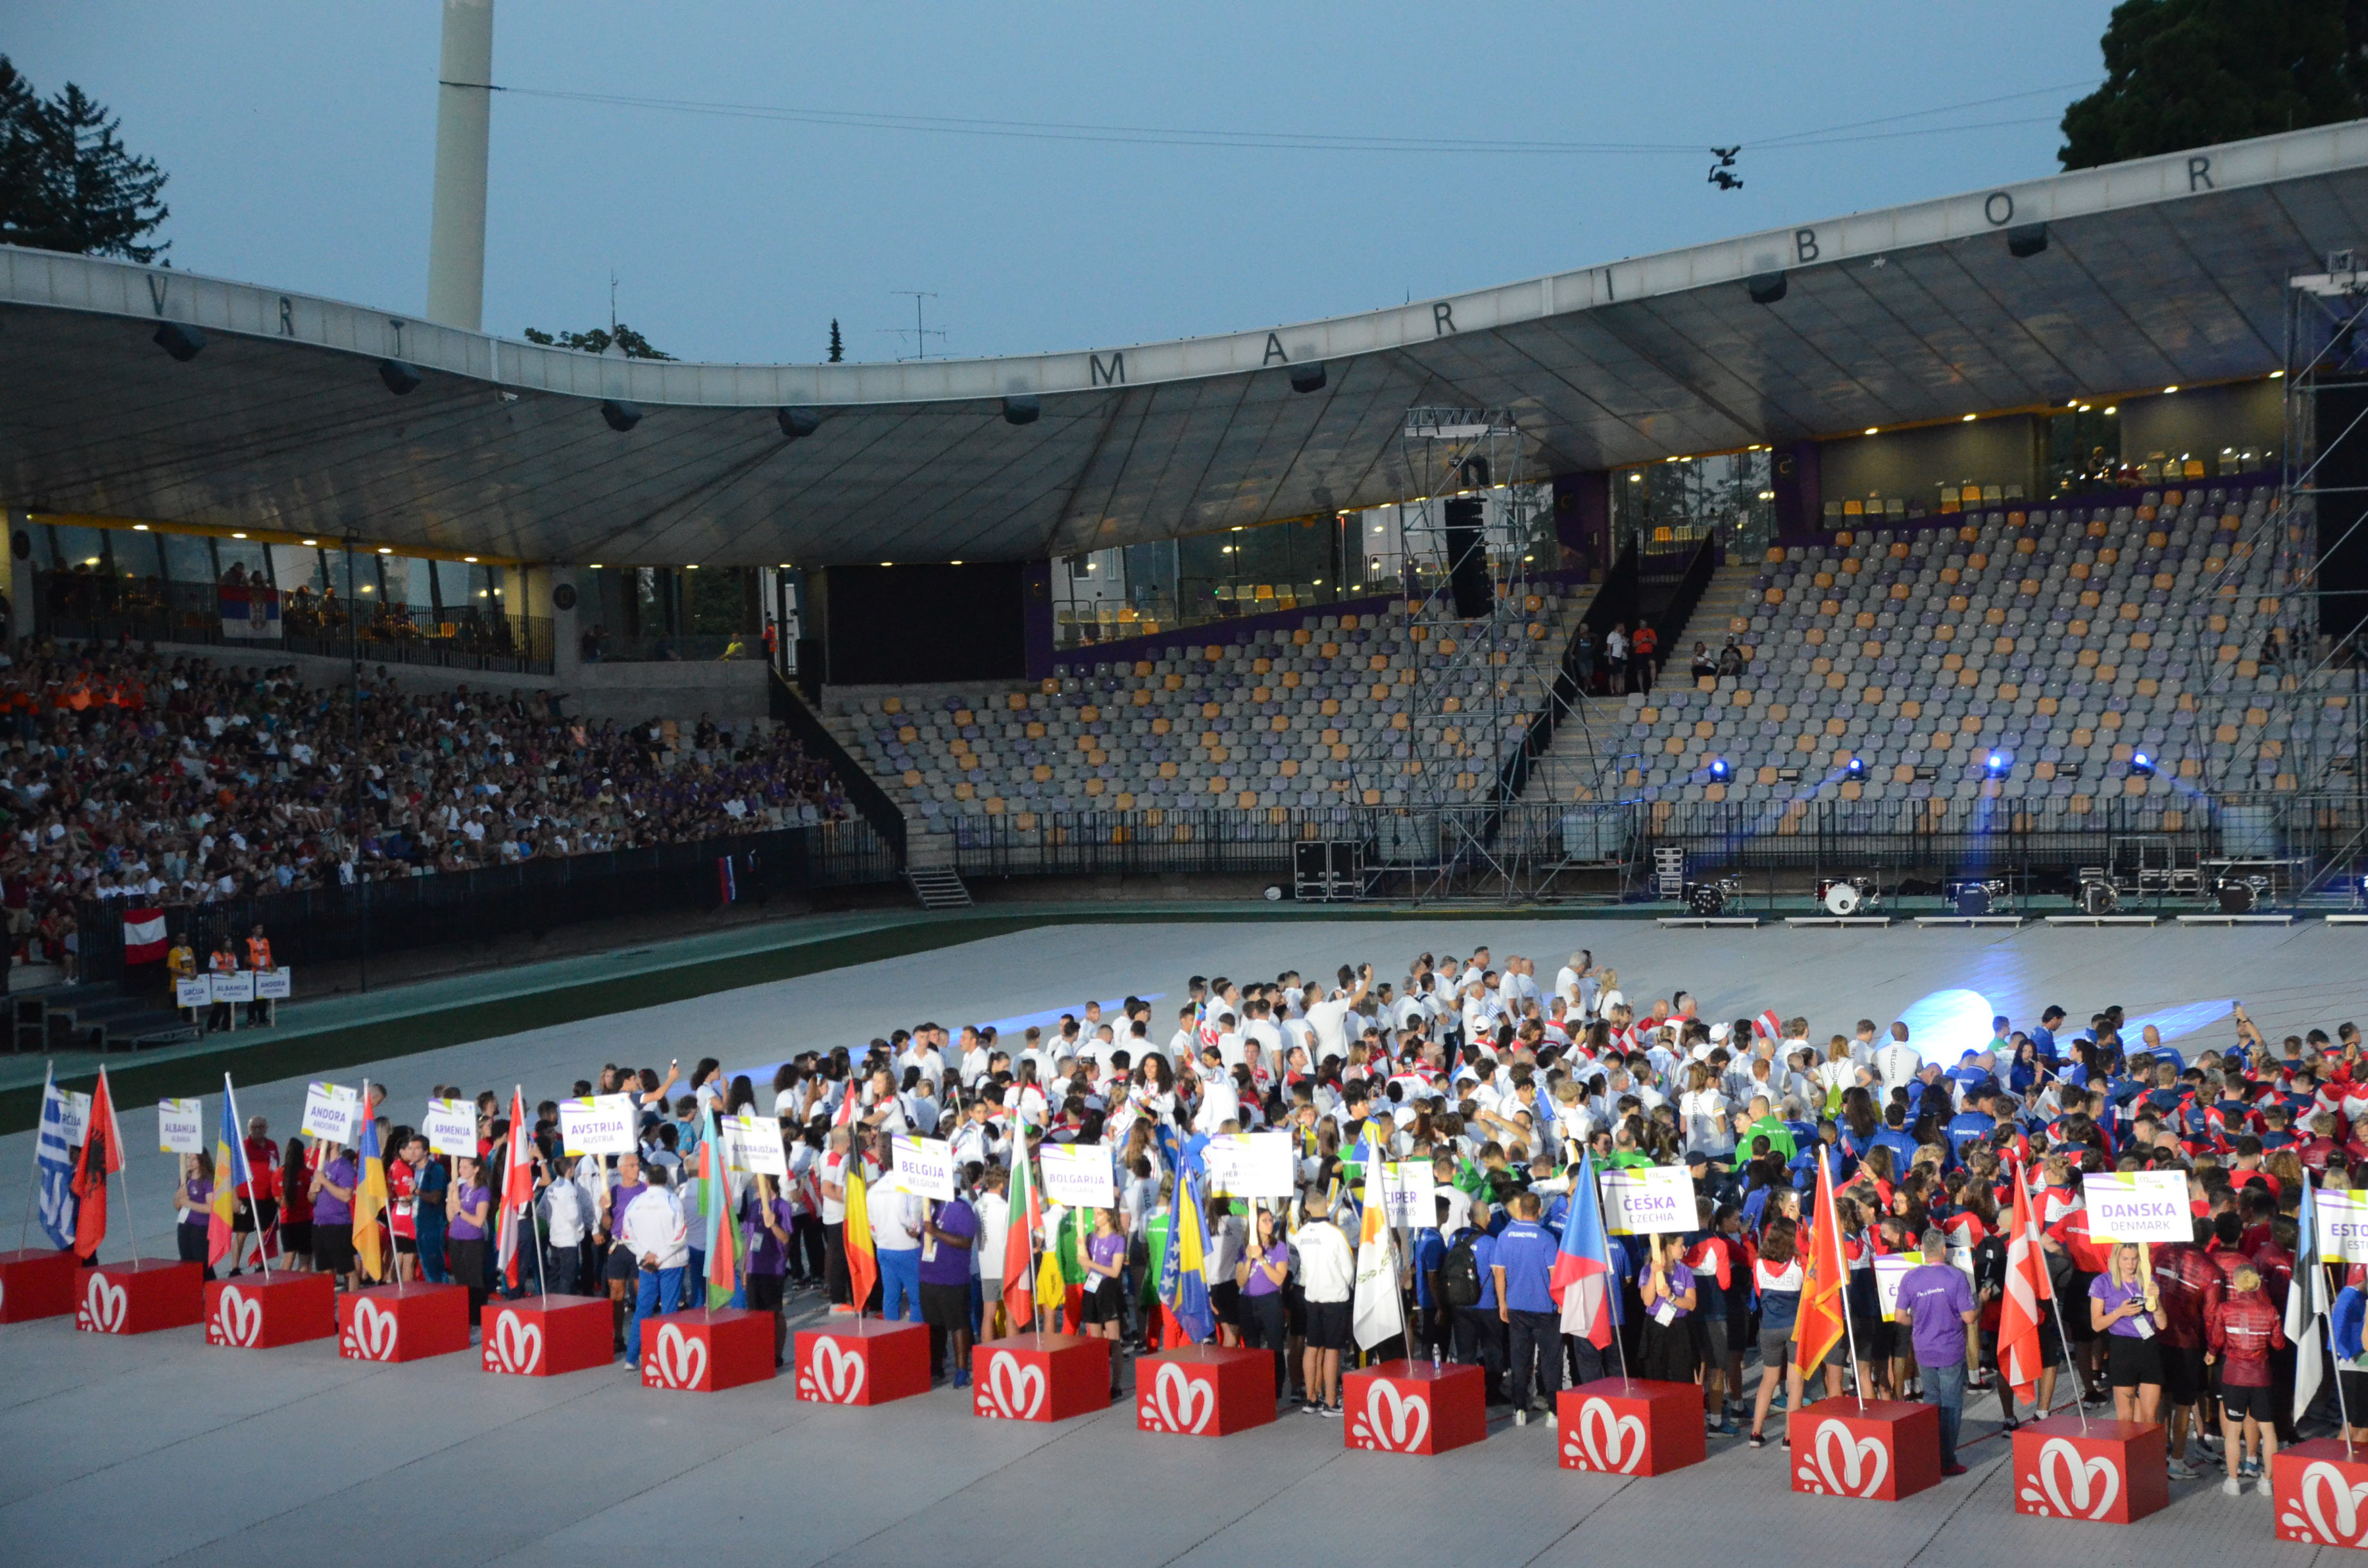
(332, 924)
(77, 606)
(1522, 847)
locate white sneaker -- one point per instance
(2263, 1485)
(2182, 1471)
(1553, 1420)
(2233, 1487)
(1521, 1418)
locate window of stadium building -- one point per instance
(180, 587)
(1667, 507)
(1140, 590)
(662, 614)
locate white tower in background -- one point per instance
(456, 234)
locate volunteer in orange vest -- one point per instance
(222, 962)
(259, 959)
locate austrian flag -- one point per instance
(144, 936)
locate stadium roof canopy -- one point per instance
(2168, 271)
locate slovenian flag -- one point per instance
(1582, 1268)
(144, 936)
(230, 1173)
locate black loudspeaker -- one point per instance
(401, 379)
(1307, 378)
(1766, 288)
(622, 416)
(1467, 557)
(180, 340)
(1021, 408)
(797, 424)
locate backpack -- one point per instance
(1459, 1273)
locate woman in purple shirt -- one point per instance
(1105, 1260)
(765, 1217)
(332, 1212)
(195, 1202)
(1264, 1270)
(465, 1206)
(1668, 1291)
(2123, 1308)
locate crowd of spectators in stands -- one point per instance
(129, 775)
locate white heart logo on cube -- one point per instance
(837, 1371)
(1017, 1391)
(2094, 1481)
(1186, 1404)
(371, 1333)
(1408, 1424)
(680, 1361)
(2320, 1479)
(105, 1305)
(1614, 1443)
(238, 1318)
(1863, 1461)
(515, 1344)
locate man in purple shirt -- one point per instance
(333, 1214)
(948, 1238)
(1936, 1300)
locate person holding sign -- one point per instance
(1666, 1290)
(2123, 1308)
(193, 1202)
(466, 1207)
(947, 1236)
(334, 1178)
(765, 1214)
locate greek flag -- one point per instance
(53, 1167)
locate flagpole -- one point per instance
(1833, 1216)
(262, 1248)
(1613, 1279)
(130, 1226)
(2062, 1341)
(33, 1191)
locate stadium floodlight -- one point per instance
(1855, 768)
(1999, 763)
(1718, 768)
(2141, 765)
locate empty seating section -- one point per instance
(1343, 710)
(2064, 639)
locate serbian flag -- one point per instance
(2026, 1287)
(1582, 1278)
(863, 1264)
(102, 1155)
(728, 887)
(517, 1185)
(370, 1200)
(144, 936)
(1027, 1212)
(1824, 1275)
(722, 1226)
(231, 1173)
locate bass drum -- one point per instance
(1843, 898)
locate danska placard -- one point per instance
(2138, 1206)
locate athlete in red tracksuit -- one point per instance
(2244, 1330)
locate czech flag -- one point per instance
(230, 1173)
(1582, 1278)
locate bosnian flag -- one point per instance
(144, 936)
(1582, 1269)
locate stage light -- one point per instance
(1999, 764)
(1718, 768)
(1855, 768)
(2141, 765)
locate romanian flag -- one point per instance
(1027, 1212)
(230, 1173)
(722, 1226)
(863, 1264)
(1824, 1275)
(371, 1201)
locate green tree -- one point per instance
(2182, 73)
(67, 183)
(838, 349)
(631, 343)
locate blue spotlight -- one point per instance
(1718, 769)
(1855, 768)
(2141, 765)
(1999, 763)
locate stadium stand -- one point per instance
(2019, 654)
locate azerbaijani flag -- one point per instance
(229, 1173)
(1027, 1212)
(723, 1228)
(1824, 1275)
(371, 1200)
(1581, 1278)
(862, 1263)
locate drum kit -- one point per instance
(1847, 895)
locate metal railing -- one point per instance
(863, 791)
(668, 648)
(72, 605)
(442, 909)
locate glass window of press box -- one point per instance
(1139, 590)
(168, 587)
(641, 614)
(1666, 508)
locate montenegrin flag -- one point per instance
(1820, 1322)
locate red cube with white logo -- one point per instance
(1040, 1376)
(37, 1282)
(707, 1351)
(863, 1361)
(1630, 1427)
(140, 1298)
(1882, 1450)
(1205, 1391)
(264, 1311)
(403, 1322)
(1413, 1407)
(2108, 1472)
(546, 1337)
(2318, 1492)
